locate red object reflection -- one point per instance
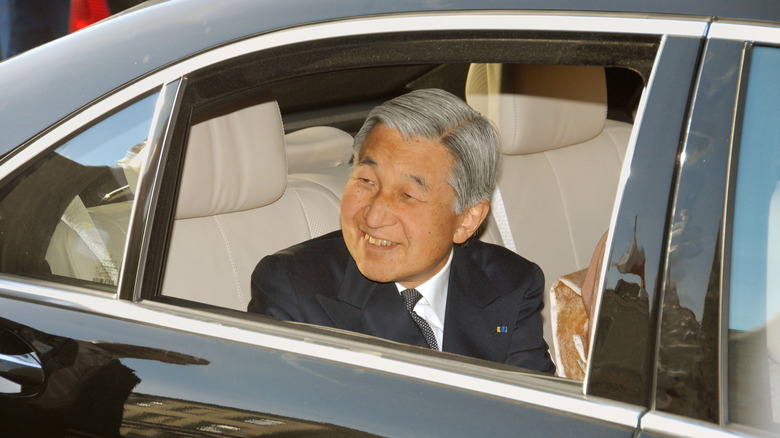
(85, 12)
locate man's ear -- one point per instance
(470, 220)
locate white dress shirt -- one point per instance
(433, 303)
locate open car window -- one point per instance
(300, 107)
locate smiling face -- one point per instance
(397, 211)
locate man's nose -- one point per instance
(379, 212)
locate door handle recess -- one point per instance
(21, 372)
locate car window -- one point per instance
(754, 303)
(65, 217)
(260, 150)
(314, 130)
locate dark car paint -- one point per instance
(686, 219)
(623, 351)
(687, 361)
(234, 376)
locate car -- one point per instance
(150, 160)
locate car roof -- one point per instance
(48, 83)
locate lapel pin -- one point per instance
(501, 329)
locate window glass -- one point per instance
(754, 304)
(66, 216)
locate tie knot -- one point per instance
(411, 297)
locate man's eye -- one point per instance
(408, 196)
(365, 181)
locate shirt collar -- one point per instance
(434, 292)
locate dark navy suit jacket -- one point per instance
(493, 312)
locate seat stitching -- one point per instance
(565, 209)
(241, 299)
(303, 207)
(317, 190)
(620, 145)
(516, 112)
(324, 192)
(302, 184)
(611, 135)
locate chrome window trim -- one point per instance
(362, 26)
(663, 424)
(532, 390)
(148, 190)
(745, 32)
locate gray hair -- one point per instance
(437, 115)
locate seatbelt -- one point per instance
(502, 222)
(78, 219)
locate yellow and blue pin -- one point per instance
(501, 329)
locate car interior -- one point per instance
(555, 131)
(262, 153)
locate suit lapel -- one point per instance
(476, 311)
(372, 308)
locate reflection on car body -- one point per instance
(69, 383)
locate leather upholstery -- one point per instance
(317, 147)
(539, 108)
(234, 162)
(237, 205)
(561, 161)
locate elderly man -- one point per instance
(403, 266)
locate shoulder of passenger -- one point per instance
(496, 257)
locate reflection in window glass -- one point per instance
(66, 217)
(754, 304)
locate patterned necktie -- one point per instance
(411, 297)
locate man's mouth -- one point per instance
(378, 242)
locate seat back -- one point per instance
(561, 160)
(321, 155)
(236, 205)
(317, 147)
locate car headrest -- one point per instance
(539, 107)
(317, 147)
(234, 162)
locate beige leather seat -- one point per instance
(322, 155)
(236, 205)
(317, 147)
(561, 163)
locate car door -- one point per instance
(617, 403)
(714, 365)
